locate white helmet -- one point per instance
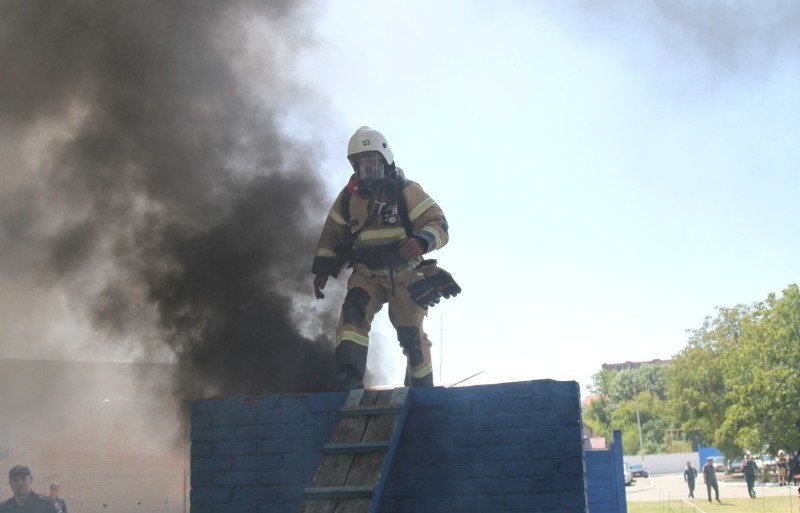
(366, 139)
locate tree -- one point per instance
(737, 380)
(763, 378)
(696, 389)
(653, 415)
(615, 408)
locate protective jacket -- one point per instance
(366, 231)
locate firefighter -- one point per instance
(382, 224)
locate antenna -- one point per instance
(465, 379)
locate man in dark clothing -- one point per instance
(60, 504)
(24, 499)
(710, 478)
(749, 469)
(689, 475)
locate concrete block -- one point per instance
(213, 433)
(234, 447)
(531, 502)
(233, 418)
(527, 468)
(426, 505)
(212, 464)
(279, 416)
(569, 449)
(255, 432)
(507, 421)
(572, 501)
(429, 396)
(296, 461)
(460, 408)
(505, 453)
(257, 493)
(292, 432)
(201, 420)
(566, 484)
(200, 479)
(282, 477)
(546, 450)
(206, 495)
(277, 506)
(277, 447)
(291, 402)
(570, 433)
(326, 402)
(263, 462)
(200, 449)
(542, 435)
(292, 492)
(486, 504)
(213, 405)
(570, 467)
(234, 477)
(490, 448)
(506, 486)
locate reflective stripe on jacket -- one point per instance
(426, 218)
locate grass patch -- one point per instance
(759, 505)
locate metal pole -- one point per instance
(639, 424)
(465, 379)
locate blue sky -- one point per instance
(610, 175)
(611, 171)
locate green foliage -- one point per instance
(695, 378)
(737, 380)
(616, 407)
(735, 385)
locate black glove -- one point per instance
(444, 283)
(424, 294)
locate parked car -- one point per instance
(639, 470)
(627, 474)
(735, 466)
(719, 463)
(768, 463)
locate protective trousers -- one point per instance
(367, 291)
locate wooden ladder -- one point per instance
(357, 459)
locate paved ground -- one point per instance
(664, 486)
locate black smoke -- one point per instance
(148, 173)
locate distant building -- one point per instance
(632, 365)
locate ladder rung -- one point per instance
(370, 410)
(339, 492)
(355, 447)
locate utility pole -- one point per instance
(639, 424)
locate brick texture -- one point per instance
(492, 448)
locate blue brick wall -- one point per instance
(258, 454)
(492, 448)
(604, 477)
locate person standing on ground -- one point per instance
(710, 479)
(749, 468)
(25, 500)
(60, 504)
(689, 475)
(794, 467)
(782, 464)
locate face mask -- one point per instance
(369, 166)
